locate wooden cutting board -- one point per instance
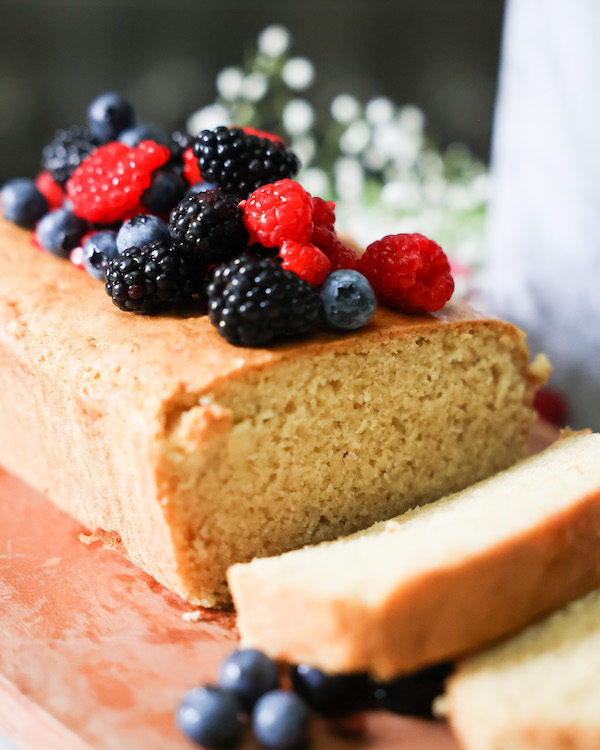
(96, 654)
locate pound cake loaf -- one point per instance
(438, 581)
(538, 691)
(190, 454)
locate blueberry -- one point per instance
(348, 300)
(164, 193)
(22, 202)
(141, 230)
(132, 136)
(333, 695)
(201, 187)
(280, 720)
(249, 674)
(210, 716)
(109, 115)
(60, 231)
(413, 694)
(98, 249)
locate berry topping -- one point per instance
(249, 674)
(325, 238)
(98, 249)
(240, 163)
(256, 302)
(306, 260)
(340, 255)
(66, 151)
(112, 180)
(60, 231)
(552, 406)
(278, 212)
(348, 300)
(210, 224)
(210, 716)
(132, 137)
(191, 170)
(409, 272)
(280, 720)
(141, 230)
(153, 278)
(108, 115)
(249, 130)
(333, 695)
(51, 190)
(165, 192)
(22, 202)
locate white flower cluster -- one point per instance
(375, 159)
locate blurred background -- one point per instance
(56, 55)
(471, 122)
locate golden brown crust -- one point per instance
(439, 615)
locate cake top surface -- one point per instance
(176, 353)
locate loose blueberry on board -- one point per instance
(210, 716)
(146, 132)
(348, 300)
(413, 694)
(280, 720)
(249, 674)
(60, 231)
(22, 202)
(98, 249)
(141, 230)
(164, 193)
(333, 695)
(108, 115)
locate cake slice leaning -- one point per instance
(438, 581)
(539, 690)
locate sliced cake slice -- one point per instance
(438, 581)
(540, 689)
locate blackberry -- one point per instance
(66, 151)
(255, 302)
(239, 163)
(153, 278)
(210, 224)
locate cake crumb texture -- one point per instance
(197, 454)
(537, 690)
(439, 581)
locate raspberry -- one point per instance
(340, 256)
(306, 260)
(278, 212)
(191, 170)
(325, 238)
(110, 183)
(50, 189)
(551, 405)
(256, 302)
(408, 271)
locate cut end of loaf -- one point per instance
(439, 581)
(328, 443)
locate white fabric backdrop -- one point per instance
(544, 225)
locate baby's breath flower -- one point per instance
(229, 82)
(274, 40)
(298, 116)
(298, 73)
(345, 108)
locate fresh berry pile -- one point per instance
(217, 221)
(249, 686)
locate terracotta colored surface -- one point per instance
(95, 654)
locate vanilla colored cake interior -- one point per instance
(541, 689)
(438, 581)
(190, 454)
